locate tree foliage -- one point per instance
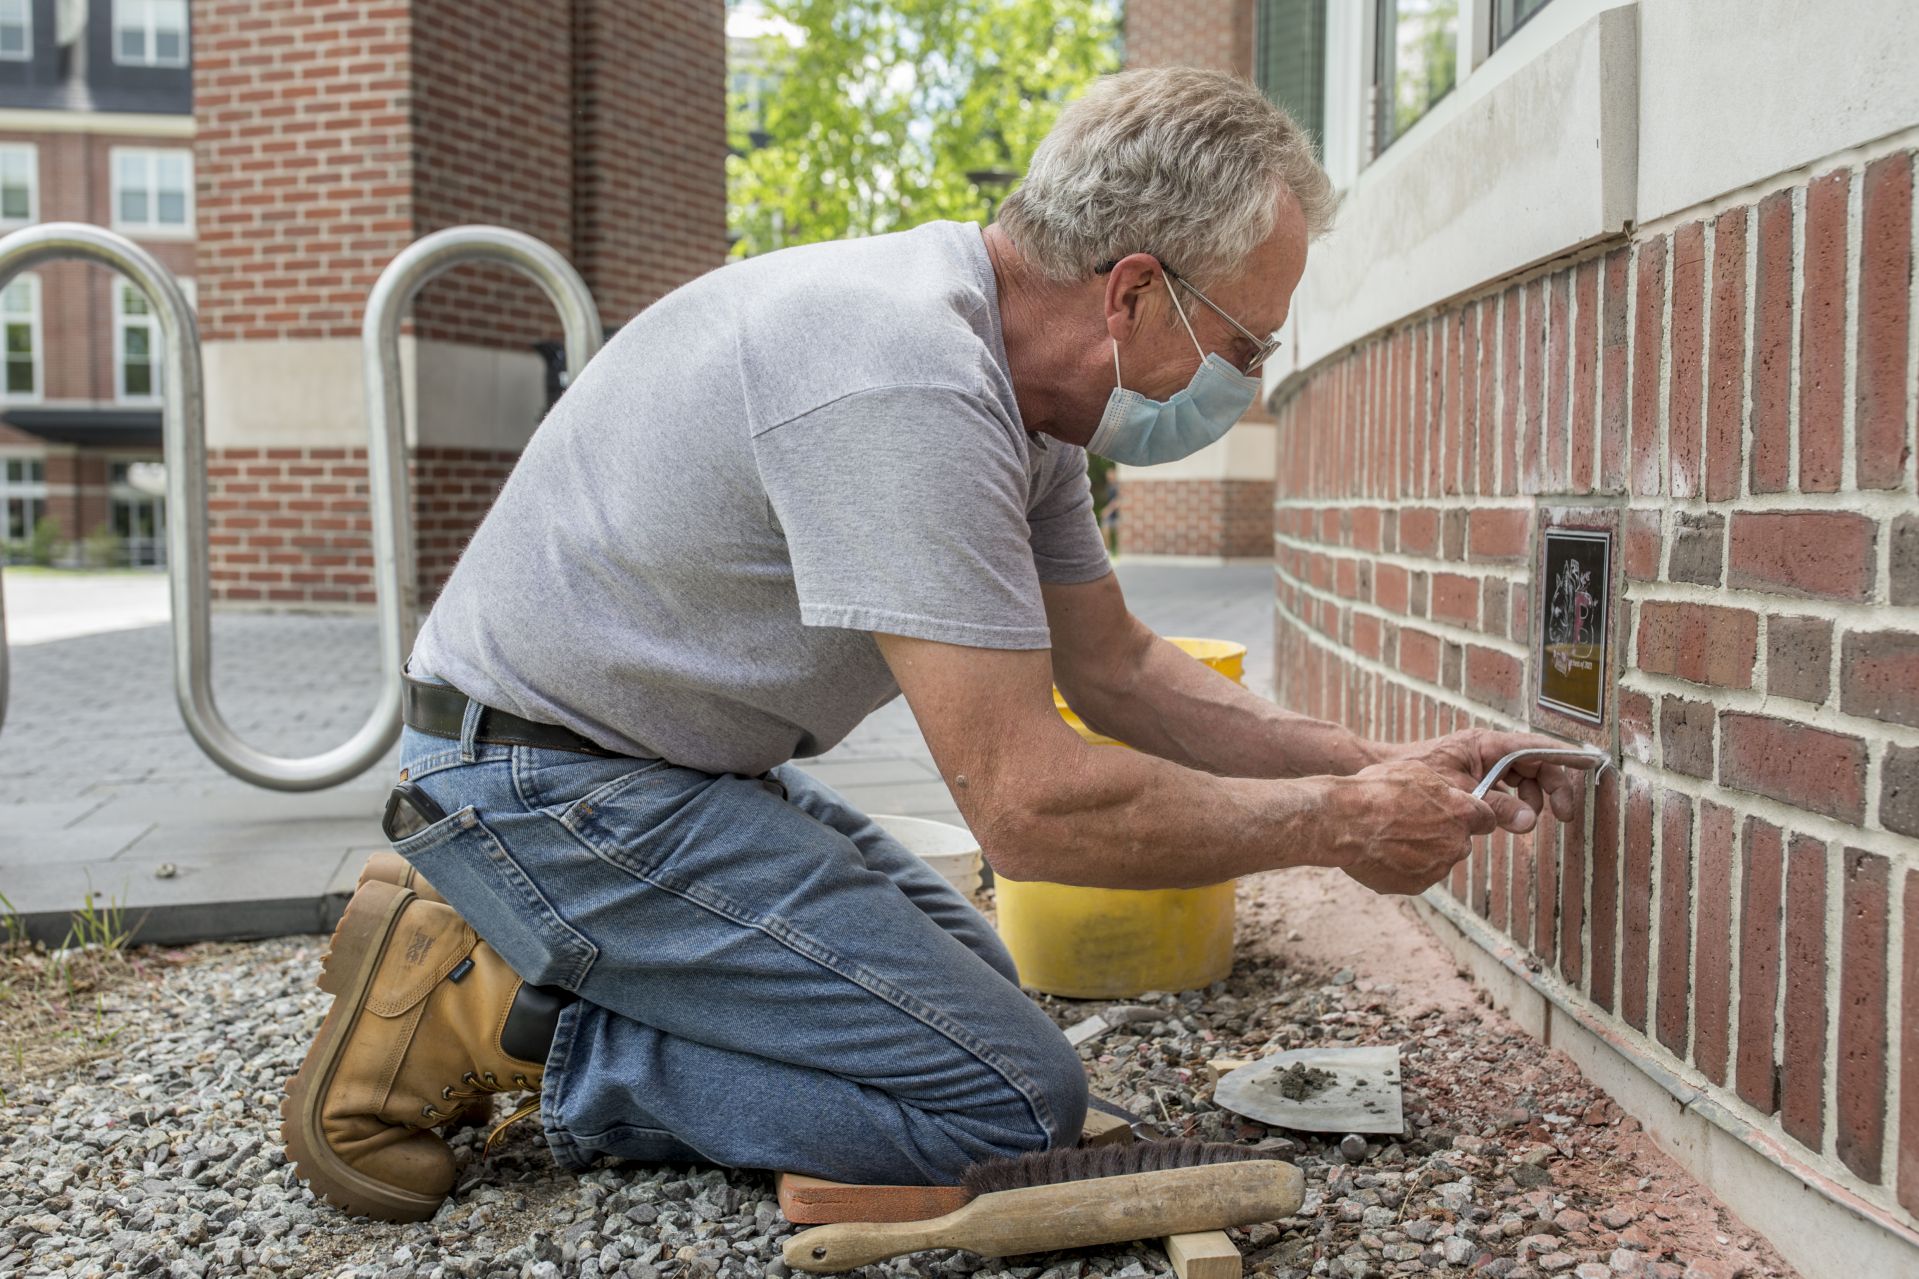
(878, 109)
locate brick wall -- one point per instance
(1737, 396)
(332, 134)
(1232, 518)
(1193, 33)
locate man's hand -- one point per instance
(1401, 826)
(1464, 758)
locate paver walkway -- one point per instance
(102, 789)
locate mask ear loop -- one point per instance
(1174, 294)
(1116, 380)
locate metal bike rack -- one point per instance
(183, 421)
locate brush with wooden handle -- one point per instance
(1075, 1198)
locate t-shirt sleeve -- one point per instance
(1064, 531)
(904, 511)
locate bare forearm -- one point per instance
(1121, 819)
(1178, 709)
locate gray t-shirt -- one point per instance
(760, 470)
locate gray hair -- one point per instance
(1185, 164)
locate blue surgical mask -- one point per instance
(1137, 431)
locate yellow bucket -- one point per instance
(1114, 943)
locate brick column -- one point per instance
(332, 134)
(1218, 503)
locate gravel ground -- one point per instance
(161, 1157)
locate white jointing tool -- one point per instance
(1552, 754)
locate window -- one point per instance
(23, 501)
(20, 316)
(136, 346)
(1416, 64)
(19, 174)
(152, 190)
(139, 515)
(1290, 62)
(150, 33)
(16, 30)
(1510, 15)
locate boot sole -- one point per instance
(347, 971)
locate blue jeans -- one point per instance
(766, 978)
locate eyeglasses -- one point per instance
(1263, 348)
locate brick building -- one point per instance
(96, 125)
(1644, 270)
(330, 135)
(318, 139)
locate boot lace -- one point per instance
(475, 1086)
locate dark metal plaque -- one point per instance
(1573, 628)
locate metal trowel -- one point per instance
(1319, 1090)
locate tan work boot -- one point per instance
(423, 1014)
(391, 868)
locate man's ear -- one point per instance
(1127, 285)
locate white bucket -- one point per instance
(950, 850)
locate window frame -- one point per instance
(32, 152)
(149, 31)
(26, 27)
(151, 228)
(35, 331)
(124, 319)
(31, 492)
(1385, 96)
(1494, 36)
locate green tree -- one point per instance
(876, 110)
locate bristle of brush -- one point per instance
(1083, 1163)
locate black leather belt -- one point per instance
(440, 709)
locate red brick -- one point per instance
(1684, 442)
(1525, 860)
(1499, 534)
(1643, 543)
(1545, 878)
(1698, 548)
(1606, 873)
(1686, 735)
(1794, 763)
(1725, 394)
(1762, 866)
(1861, 1061)
(1712, 967)
(1905, 560)
(1486, 437)
(1885, 276)
(1635, 724)
(1908, 1157)
(1648, 334)
(1636, 920)
(1702, 643)
(1585, 394)
(1799, 658)
(1419, 655)
(1572, 892)
(1456, 599)
(1555, 384)
(1675, 919)
(1615, 342)
(1802, 1063)
(1899, 790)
(1389, 587)
(1419, 530)
(1495, 679)
(1828, 555)
(1879, 676)
(1532, 464)
(1499, 880)
(1822, 336)
(1772, 347)
(1511, 420)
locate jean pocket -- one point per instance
(469, 865)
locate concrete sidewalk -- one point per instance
(102, 790)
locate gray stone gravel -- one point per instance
(164, 1158)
